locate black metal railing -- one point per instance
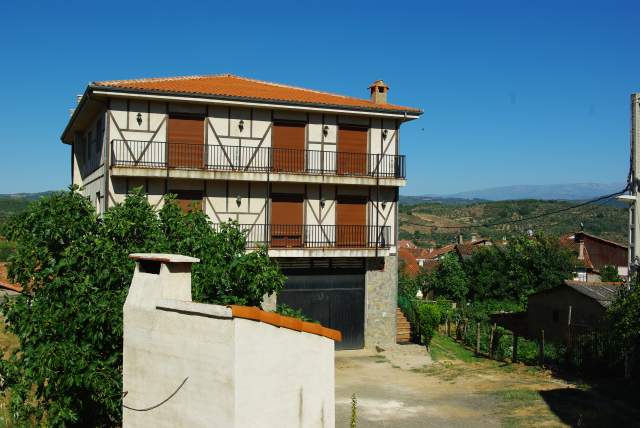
(316, 236)
(214, 157)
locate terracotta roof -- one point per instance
(257, 314)
(242, 88)
(410, 256)
(404, 243)
(594, 255)
(4, 280)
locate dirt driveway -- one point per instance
(403, 387)
(391, 392)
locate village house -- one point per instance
(573, 303)
(594, 253)
(311, 175)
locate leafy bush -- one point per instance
(609, 273)
(76, 271)
(449, 280)
(428, 318)
(288, 311)
(6, 249)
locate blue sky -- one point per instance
(514, 92)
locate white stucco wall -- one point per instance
(239, 373)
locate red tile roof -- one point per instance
(4, 280)
(230, 86)
(257, 314)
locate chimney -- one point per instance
(160, 276)
(379, 91)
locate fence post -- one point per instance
(448, 326)
(493, 333)
(541, 357)
(514, 355)
(477, 339)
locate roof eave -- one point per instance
(408, 113)
(74, 115)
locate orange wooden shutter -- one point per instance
(286, 220)
(351, 221)
(288, 147)
(352, 150)
(186, 142)
(188, 200)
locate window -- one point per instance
(90, 144)
(556, 315)
(99, 135)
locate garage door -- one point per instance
(330, 291)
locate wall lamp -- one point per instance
(241, 125)
(384, 205)
(325, 130)
(323, 202)
(238, 200)
(385, 132)
(139, 119)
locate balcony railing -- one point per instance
(214, 157)
(317, 236)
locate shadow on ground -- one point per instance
(588, 408)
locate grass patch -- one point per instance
(518, 395)
(445, 348)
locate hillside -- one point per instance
(14, 203)
(417, 221)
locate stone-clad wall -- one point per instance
(381, 302)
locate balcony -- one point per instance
(297, 236)
(201, 157)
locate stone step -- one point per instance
(403, 328)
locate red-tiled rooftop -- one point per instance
(235, 87)
(4, 280)
(257, 314)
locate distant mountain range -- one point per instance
(565, 192)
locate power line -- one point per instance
(548, 213)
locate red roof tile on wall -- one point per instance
(257, 314)
(227, 85)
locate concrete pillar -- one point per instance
(381, 294)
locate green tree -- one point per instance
(449, 280)
(609, 273)
(76, 271)
(513, 272)
(624, 318)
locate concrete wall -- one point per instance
(381, 301)
(541, 307)
(239, 372)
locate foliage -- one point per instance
(354, 411)
(624, 318)
(609, 273)
(76, 270)
(427, 319)
(449, 280)
(407, 286)
(6, 249)
(514, 271)
(288, 311)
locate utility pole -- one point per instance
(634, 183)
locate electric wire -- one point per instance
(146, 409)
(520, 220)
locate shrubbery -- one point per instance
(428, 317)
(76, 273)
